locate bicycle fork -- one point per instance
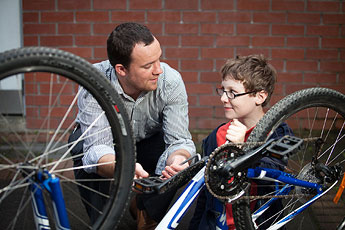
(49, 182)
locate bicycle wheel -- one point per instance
(36, 138)
(317, 116)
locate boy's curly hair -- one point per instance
(253, 71)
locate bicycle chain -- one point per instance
(246, 145)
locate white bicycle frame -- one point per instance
(177, 211)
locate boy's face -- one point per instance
(241, 107)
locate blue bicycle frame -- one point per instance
(177, 211)
(46, 181)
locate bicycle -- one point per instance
(36, 167)
(312, 170)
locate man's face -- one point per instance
(144, 69)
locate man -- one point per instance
(155, 98)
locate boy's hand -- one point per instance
(236, 132)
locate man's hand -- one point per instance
(236, 132)
(140, 172)
(174, 163)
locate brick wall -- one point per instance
(305, 40)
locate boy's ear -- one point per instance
(261, 97)
(120, 70)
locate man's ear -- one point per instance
(120, 70)
(261, 97)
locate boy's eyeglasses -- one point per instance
(229, 94)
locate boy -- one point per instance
(247, 86)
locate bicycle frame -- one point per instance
(49, 182)
(180, 207)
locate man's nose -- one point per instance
(157, 68)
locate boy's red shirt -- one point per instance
(221, 139)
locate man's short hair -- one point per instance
(122, 40)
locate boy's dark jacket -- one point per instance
(206, 209)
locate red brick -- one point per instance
(209, 123)
(38, 4)
(200, 88)
(192, 100)
(30, 88)
(109, 4)
(333, 42)
(252, 29)
(128, 16)
(181, 53)
(155, 28)
(325, 31)
(32, 111)
(268, 41)
(190, 77)
(73, 28)
(163, 16)
(57, 17)
(38, 100)
(74, 4)
(196, 65)
(84, 52)
(217, 28)
(181, 4)
(39, 29)
(301, 65)
(145, 4)
(92, 16)
(197, 40)
(233, 41)
(321, 54)
(207, 53)
(249, 51)
(173, 63)
(308, 18)
(91, 40)
(320, 78)
(290, 77)
(181, 28)
(288, 5)
(332, 66)
(288, 29)
(278, 64)
(56, 89)
(167, 41)
(200, 112)
(103, 28)
(214, 77)
(234, 17)
(30, 17)
(323, 6)
(217, 5)
(30, 40)
(253, 4)
(100, 53)
(333, 18)
(269, 17)
(200, 17)
(209, 100)
(302, 42)
(56, 40)
(287, 53)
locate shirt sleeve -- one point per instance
(175, 123)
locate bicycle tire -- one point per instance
(72, 71)
(327, 104)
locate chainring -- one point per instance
(222, 186)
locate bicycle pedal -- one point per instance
(147, 185)
(284, 147)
